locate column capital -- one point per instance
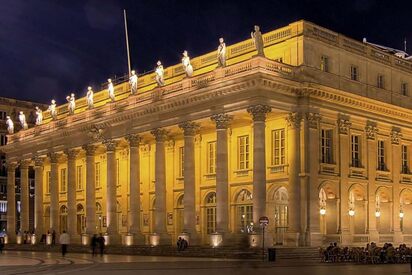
(313, 119)
(293, 120)
(159, 134)
(222, 120)
(259, 112)
(90, 149)
(344, 126)
(396, 136)
(11, 166)
(38, 161)
(189, 128)
(24, 164)
(54, 157)
(133, 140)
(371, 131)
(110, 145)
(71, 153)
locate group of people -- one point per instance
(182, 244)
(97, 242)
(371, 253)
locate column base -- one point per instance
(112, 239)
(133, 239)
(291, 239)
(156, 239)
(313, 239)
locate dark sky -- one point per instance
(50, 48)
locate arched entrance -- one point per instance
(358, 209)
(210, 213)
(328, 209)
(244, 211)
(81, 221)
(383, 210)
(179, 214)
(405, 213)
(63, 218)
(280, 215)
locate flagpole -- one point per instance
(127, 42)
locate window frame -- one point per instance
(324, 64)
(404, 159)
(381, 156)
(63, 180)
(278, 147)
(79, 177)
(354, 73)
(380, 81)
(211, 157)
(356, 153)
(327, 154)
(243, 152)
(181, 165)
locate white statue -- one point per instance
(72, 104)
(258, 40)
(22, 119)
(110, 88)
(221, 53)
(133, 82)
(39, 116)
(89, 97)
(160, 74)
(52, 109)
(186, 64)
(10, 125)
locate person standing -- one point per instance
(64, 240)
(101, 242)
(1, 244)
(93, 244)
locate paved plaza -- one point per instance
(16, 262)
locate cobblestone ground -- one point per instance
(15, 262)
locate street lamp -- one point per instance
(322, 211)
(377, 213)
(351, 212)
(401, 214)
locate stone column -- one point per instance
(294, 223)
(189, 211)
(345, 162)
(371, 132)
(71, 195)
(112, 228)
(313, 234)
(258, 113)
(222, 183)
(24, 195)
(38, 198)
(160, 186)
(91, 188)
(54, 193)
(134, 187)
(11, 202)
(396, 136)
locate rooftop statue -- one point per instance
(160, 74)
(72, 104)
(39, 116)
(258, 40)
(10, 125)
(133, 82)
(110, 88)
(221, 53)
(186, 64)
(22, 119)
(52, 109)
(89, 97)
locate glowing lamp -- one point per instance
(351, 212)
(216, 239)
(377, 213)
(128, 239)
(19, 239)
(33, 239)
(401, 214)
(49, 239)
(85, 239)
(154, 239)
(322, 211)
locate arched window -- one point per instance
(63, 218)
(81, 219)
(244, 211)
(179, 214)
(210, 207)
(99, 217)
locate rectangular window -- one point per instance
(380, 82)
(381, 155)
(324, 63)
(117, 172)
(405, 164)
(63, 185)
(48, 179)
(97, 174)
(404, 88)
(79, 177)
(243, 152)
(326, 142)
(278, 147)
(3, 115)
(355, 151)
(3, 139)
(354, 74)
(181, 161)
(211, 157)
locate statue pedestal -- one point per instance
(133, 239)
(156, 239)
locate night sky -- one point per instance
(51, 48)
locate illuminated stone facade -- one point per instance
(315, 131)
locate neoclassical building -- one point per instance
(316, 135)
